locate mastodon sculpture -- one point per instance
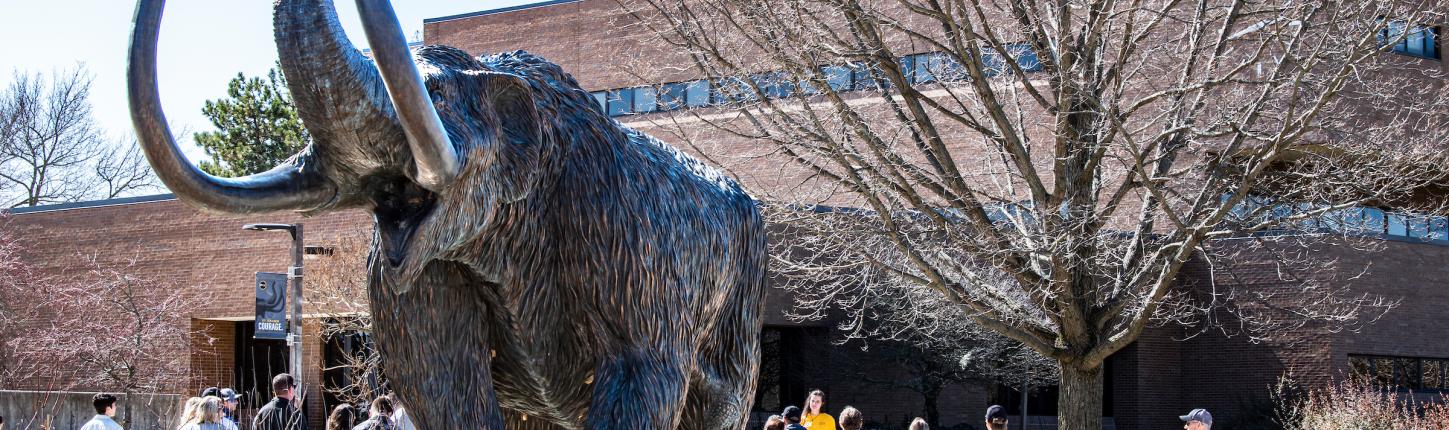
(535, 263)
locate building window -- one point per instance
(1414, 40)
(838, 77)
(1025, 57)
(1404, 373)
(602, 98)
(1256, 210)
(908, 67)
(696, 93)
(933, 67)
(621, 102)
(733, 90)
(671, 96)
(867, 77)
(646, 100)
(919, 68)
(775, 85)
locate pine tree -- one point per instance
(257, 127)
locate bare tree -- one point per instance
(1048, 168)
(337, 284)
(51, 149)
(17, 299)
(122, 169)
(115, 330)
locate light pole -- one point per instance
(294, 275)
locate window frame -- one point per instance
(619, 97)
(1367, 365)
(1429, 48)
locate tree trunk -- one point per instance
(127, 400)
(1025, 392)
(933, 410)
(1079, 405)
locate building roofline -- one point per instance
(92, 204)
(498, 10)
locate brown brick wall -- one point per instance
(213, 355)
(209, 256)
(1171, 370)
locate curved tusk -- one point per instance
(295, 184)
(437, 162)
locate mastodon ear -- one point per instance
(518, 144)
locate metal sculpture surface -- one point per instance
(535, 264)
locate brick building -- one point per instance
(1166, 372)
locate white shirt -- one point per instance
(101, 422)
(401, 420)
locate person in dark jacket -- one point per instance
(381, 412)
(282, 412)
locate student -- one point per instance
(775, 422)
(381, 415)
(814, 418)
(105, 413)
(190, 414)
(920, 424)
(342, 418)
(230, 400)
(792, 418)
(282, 412)
(400, 418)
(851, 419)
(996, 418)
(209, 415)
(1197, 419)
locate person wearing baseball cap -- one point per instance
(996, 418)
(1198, 419)
(792, 418)
(230, 400)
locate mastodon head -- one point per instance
(373, 124)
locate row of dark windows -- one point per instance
(1410, 39)
(1409, 373)
(1352, 220)
(1257, 210)
(924, 68)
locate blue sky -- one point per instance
(204, 44)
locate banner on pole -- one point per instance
(271, 320)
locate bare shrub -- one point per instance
(1356, 404)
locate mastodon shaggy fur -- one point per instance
(582, 274)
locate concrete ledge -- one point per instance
(71, 409)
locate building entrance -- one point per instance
(257, 361)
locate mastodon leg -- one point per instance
(639, 389)
(435, 350)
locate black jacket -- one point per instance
(279, 414)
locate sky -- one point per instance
(204, 44)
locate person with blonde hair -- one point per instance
(209, 416)
(189, 413)
(814, 417)
(850, 419)
(920, 424)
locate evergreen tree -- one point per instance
(257, 127)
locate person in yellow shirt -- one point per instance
(813, 418)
